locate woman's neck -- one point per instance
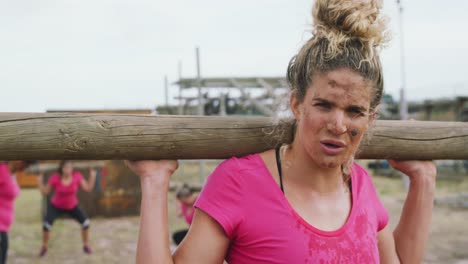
(303, 172)
(66, 176)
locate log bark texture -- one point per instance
(34, 136)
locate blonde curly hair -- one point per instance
(347, 34)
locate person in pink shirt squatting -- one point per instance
(9, 190)
(185, 201)
(65, 183)
(305, 201)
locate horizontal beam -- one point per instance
(33, 136)
(47, 167)
(232, 82)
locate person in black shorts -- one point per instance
(65, 184)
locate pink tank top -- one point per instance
(187, 212)
(65, 195)
(242, 196)
(9, 190)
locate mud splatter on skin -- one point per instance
(335, 104)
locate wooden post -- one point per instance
(166, 91)
(181, 105)
(199, 84)
(32, 136)
(201, 104)
(222, 104)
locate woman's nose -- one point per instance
(337, 123)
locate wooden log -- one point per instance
(417, 140)
(33, 136)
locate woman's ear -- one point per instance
(296, 105)
(373, 114)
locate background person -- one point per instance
(185, 199)
(65, 183)
(9, 190)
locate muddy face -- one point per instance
(333, 117)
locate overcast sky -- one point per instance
(88, 54)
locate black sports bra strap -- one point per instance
(280, 171)
(278, 165)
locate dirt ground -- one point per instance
(114, 239)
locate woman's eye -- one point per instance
(323, 106)
(357, 113)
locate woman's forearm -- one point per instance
(153, 241)
(89, 185)
(412, 231)
(42, 188)
(92, 182)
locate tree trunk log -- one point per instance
(33, 136)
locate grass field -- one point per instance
(114, 239)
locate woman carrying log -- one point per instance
(65, 183)
(305, 201)
(9, 190)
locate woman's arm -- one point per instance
(412, 231)
(88, 186)
(4, 171)
(43, 188)
(387, 250)
(204, 243)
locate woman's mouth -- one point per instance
(332, 147)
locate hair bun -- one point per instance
(343, 20)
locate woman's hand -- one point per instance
(92, 173)
(415, 169)
(43, 188)
(88, 185)
(40, 179)
(154, 177)
(153, 169)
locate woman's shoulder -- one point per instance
(358, 169)
(363, 180)
(238, 168)
(4, 171)
(77, 175)
(241, 163)
(54, 178)
(360, 175)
